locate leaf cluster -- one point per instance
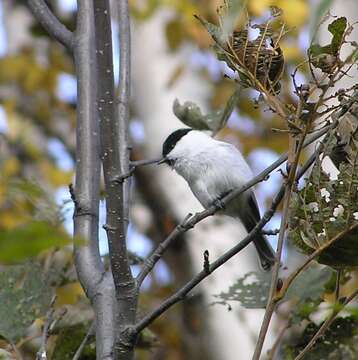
(326, 209)
(340, 341)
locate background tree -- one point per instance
(33, 201)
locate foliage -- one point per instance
(25, 296)
(29, 240)
(326, 209)
(250, 294)
(339, 342)
(191, 115)
(309, 285)
(68, 341)
(325, 57)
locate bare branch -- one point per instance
(289, 183)
(80, 349)
(182, 292)
(271, 232)
(51, 24)
(42, 353)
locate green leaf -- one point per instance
(27, 241)
(340, 341)
(337, 29)
(214, 30)
(251, 291)
(190, 114)
(310, 284)
(68, 341)
(24, 297)
(325, 208)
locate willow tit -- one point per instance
(212, 169)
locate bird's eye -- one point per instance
(170, 162)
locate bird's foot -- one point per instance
(219, 204)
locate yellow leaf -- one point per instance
(10, 167)
(291, 53)
(69, 294)
(295, 12)
(54, 175)
(11, 219)
(258, 7)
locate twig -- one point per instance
(275, 346)
(80, 349)
(190, 221)
(338, 281)
(271, 304)
(51, 24)
(304, 265)
(42, 353)
(270, 232)
(325, 326)
(182, 292)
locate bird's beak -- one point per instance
(162, 161)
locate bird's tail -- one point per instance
(265, 251)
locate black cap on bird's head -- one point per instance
(170, 143)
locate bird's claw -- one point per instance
(219, 204)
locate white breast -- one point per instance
(210, 167)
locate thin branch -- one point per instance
(272, 353)
(51, 24)
(310, 258)
(338, 283)
(42, 353)
(270, 232)
(80, 349)
(274, 295)
(325, 326)
(271, 304)
(190, 221)
(182, 292)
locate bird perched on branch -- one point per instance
(212, 169)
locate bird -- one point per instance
(212, 169)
